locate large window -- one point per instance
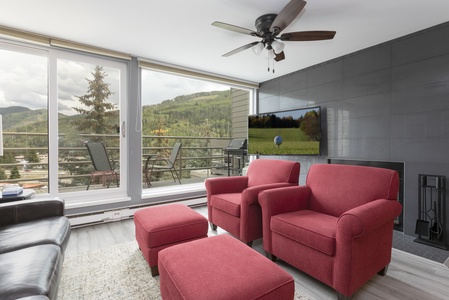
(52, 103)
(23, 106)
(88, 111)
(196, 113)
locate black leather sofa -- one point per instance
(33, 237)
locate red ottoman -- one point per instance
(221, 267)
(164, 226)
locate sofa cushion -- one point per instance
(31, 271)
(229, 203)
(53, 230)
(309, 228)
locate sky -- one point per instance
(157, 86)
(23, 82)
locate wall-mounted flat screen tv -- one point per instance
(292, 132)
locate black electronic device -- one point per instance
(291, 132)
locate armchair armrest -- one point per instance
(278, 201)
(29, 210)
(284, 199)
(363, 241)
(365, 218)
(233, 184)
(251, 195)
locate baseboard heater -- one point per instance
(118, 214)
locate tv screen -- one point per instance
(292, 132)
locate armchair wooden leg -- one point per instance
(154, 271)
(213, 226)
(340, 296)
(383, 272)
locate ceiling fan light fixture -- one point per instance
(278, 47)
(257, 49)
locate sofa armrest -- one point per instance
(233, 184)
(278, 201)
(29, 210)
(365, 218)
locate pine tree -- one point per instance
(98, 111)
(3, 174)
(14, 173)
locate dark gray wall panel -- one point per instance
(430, 97)
(293, 82)
(385, 103)
(324, 73)
(429, 71)
(366, 84)
(367, 61)
(326, 92)
(422, 45)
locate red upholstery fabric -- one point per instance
(163, 226)
(338, 228)
(233, 201)
(192, 271)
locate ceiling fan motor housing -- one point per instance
(263, 23)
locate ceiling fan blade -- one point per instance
(240, 49)
(287, 15)
(235, 28)
(279, 56)
(307, 36)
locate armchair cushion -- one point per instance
(229, 203)
(315, 230)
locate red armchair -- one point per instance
(232, 202)
(337, 228)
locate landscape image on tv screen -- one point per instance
(293, 132)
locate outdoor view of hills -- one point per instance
(204, 114)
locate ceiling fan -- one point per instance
(269, 26)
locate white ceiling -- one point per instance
(179, 32)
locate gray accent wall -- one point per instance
(389, 102)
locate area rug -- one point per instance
(116, 272)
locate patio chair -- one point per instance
(169, 164)
(101, 163)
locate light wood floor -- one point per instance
(408, 276)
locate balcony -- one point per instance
(199, 158)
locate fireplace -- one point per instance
(397, 166)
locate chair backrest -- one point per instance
(99, 156)
(339, 188)
(264, 171)
(174, 153)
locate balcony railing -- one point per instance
(200, 157)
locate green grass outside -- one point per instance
(294, 141)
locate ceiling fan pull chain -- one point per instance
(268, 63)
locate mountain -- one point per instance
(195, 114)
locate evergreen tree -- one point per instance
(98, 111)
(14, 173)
(32, 157)
(3, 174)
